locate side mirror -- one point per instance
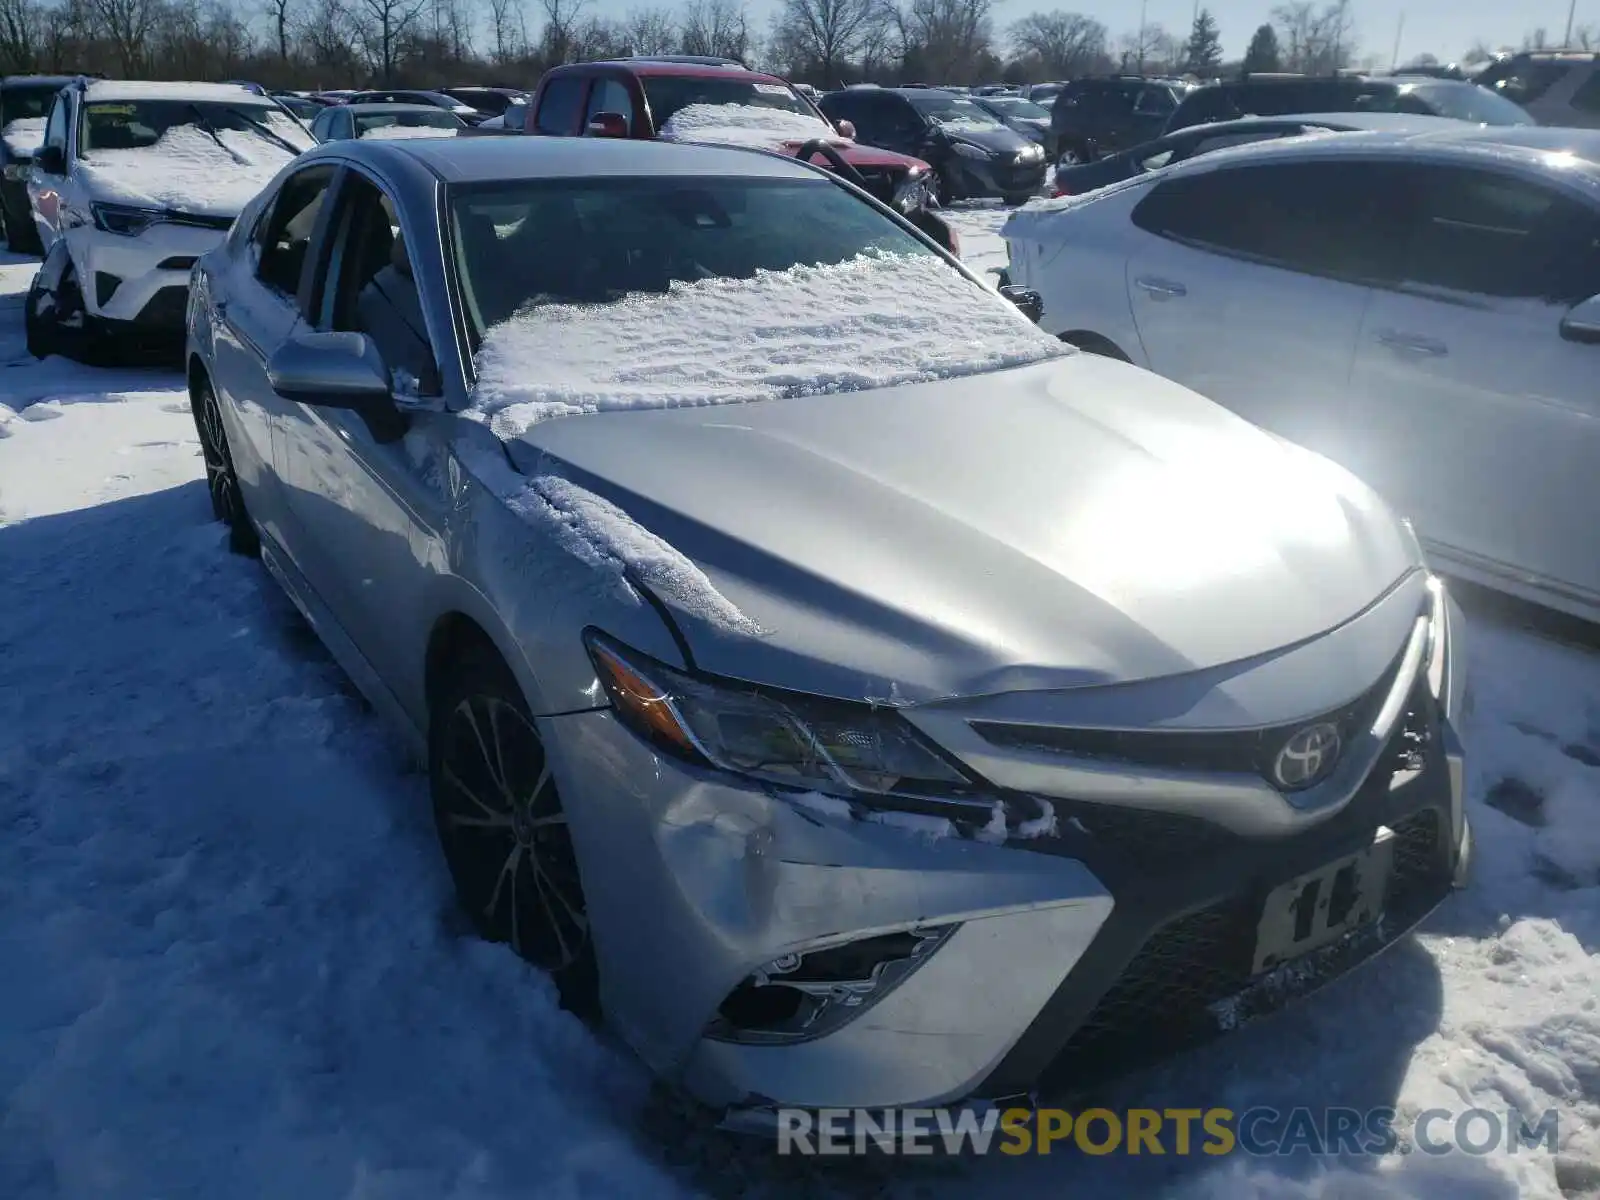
(331, 370)
(1028, 300)
(52, 160)
(1582, 322)
(847, 129)
(607, 125)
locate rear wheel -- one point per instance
(222, 482)
(503, 830)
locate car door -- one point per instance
(257, 300)
(1152, 108)
(44, 187)
(1252, 285)
(897, 124)
(369, 501)
(1479, 420)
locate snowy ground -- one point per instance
(231, 966)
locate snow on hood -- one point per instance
(874, 321)
(399, 133)
(966, 126)
(746, 125)
(24, 136)
(189, 171)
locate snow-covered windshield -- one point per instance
(587, 296)
(435, 122)
(668, 93)
(140, 124)
(745, 125)
(188, 168)
(955, 111)
(573, 241)
(1013, 106)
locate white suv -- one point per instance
(1423, 309)
(134, 182)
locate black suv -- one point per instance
(972, 152)
(24, 104)
(1283, 95)
(1091, 117)
(1558, 87)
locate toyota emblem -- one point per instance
(1308, 756)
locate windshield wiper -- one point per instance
(206, 125)
(260, 128)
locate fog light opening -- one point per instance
(808, 994)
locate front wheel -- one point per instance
(503, 829)
(1072, 155)
(58, 323)
(222, 481)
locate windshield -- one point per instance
(954, 110)
(668, 93)
(371, 123)
(534, 243)
(18, 104)
(1019, 108)
(140, 124)
(1464, 102)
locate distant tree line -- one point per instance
(829, 43)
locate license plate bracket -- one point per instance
(1321, 906)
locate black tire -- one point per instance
(222, 481)
(943, 190)
(64, 326)
(21, 237)
(502, 828)
(1072, 154)
(1017, 199)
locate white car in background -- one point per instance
(134, 181)
(1423, 308)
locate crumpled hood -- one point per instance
(1075, 521)
(996, 140)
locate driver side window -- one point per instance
(55, 129)
(285, 235)
(371, 288)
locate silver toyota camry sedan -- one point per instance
(855, 695)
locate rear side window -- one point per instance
(1587, 97)
(1315, 218)
(286, 233)
(608, 95)
(559, 105)
(1496, 235)
(1529, 79)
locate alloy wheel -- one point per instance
(505, 835)
(220, 479)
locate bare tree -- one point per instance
(22, 35)
(1064, 44)
(1149, 49)
(946, 41)
(127, 25)
(384, 26)
(1315, 41)
(650, 31)
(560, 24)
(280, 14)
(505, 27)
(824, 35)
(720, 28)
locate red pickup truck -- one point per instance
(684, 98)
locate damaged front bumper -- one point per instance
(769, 950)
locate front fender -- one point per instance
(57, 261)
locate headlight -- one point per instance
(911, 195)
(16, 170)
(1030, 152)
(806, 743)
(126, 219)
(968, 150)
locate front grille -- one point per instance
(200, 220)
(166, 309)
(1167, 996)
(1246, 751)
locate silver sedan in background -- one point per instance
(856, 695)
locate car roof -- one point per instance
(376, 107)
(496, 159)
(59, 81)
(1374, 122)
(658, 66)
(1466, 145)
(149, 89)
(1545, 139)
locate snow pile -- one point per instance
(24, 136)
(400, 133)
(188, 170)
(746, 125)
(965, 125)
(874, 321)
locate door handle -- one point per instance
(1160, 287)
(1410, 343)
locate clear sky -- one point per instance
(1445, 28)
